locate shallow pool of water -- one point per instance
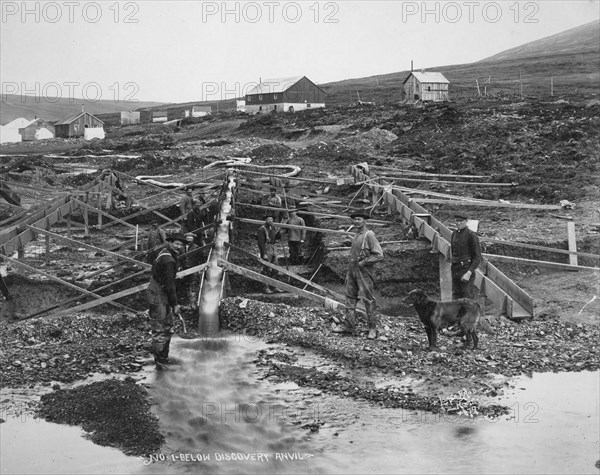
(218, 416)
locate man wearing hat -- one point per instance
(187, 203)
(161, 295)
(364, 252)
(295, 237)
(267, 235)
(274, 201)
(466, 256)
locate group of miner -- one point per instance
(184, 250)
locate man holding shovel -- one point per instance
(162, 298)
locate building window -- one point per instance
(260, 97)
(308, 106)
(249, 98)
(274, 96)
(429, 88)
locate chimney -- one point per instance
(411, 65)
(82, 108)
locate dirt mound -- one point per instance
(101, 409)
(269, 151)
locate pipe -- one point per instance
(208, 305)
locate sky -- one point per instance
(180, 51)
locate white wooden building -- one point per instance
(426, 86)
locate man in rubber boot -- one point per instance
(162, 297)
(364, 253)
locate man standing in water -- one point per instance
(364, 252)
(162, 298)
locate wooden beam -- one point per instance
(92, 248)
(540, 248)
(291, 226)
(490, 204)
(372, 221)
(123, 293)
(285, 272)
(280, 285)
(61, 281)
(102, 213)
(555, 265)
(448, 182)
(432, 175)
(310, 180)
(73, 299)
(572, 240)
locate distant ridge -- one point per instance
(52, 109)
(571, 58)
(581, 39)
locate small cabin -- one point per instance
(75, 125)
(426, 86)
(201, 111)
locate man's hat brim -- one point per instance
(360, 214)
(461, 216)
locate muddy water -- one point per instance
(218, 416)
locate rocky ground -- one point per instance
(549, 150)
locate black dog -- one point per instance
(437, 315)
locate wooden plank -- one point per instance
(507, 285)
(554, 265)
(432, 175)
(124, 293)
(448, 182)
(572, 240)
(60, 281)
(285, 272)
(102, 213)
(93, 248)
(489, 204)
(540, 248)
(291, 226)
(73, 299)
(24, 233)
(276, 283)
(372, 221)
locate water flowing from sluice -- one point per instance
(212, 283)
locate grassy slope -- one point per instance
(50, 109)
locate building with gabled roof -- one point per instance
(288, 94)
(426, 86)
(75, 125)
(37, 129)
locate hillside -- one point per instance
(571, 58)
(52, 109)
(582, 39)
